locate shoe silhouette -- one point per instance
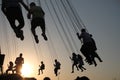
(36, 39)
(19, 34)
(72, 72)
(44, 36)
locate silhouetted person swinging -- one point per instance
(42, 67)
(86, 40)
(75, 61)
(80, 62)
(19, 61)
(93, 52)
(10, 67)
(57, 67)
(37, 20)
(13, 12)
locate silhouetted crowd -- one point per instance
(12, 11)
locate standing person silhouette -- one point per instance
(19, 61)
(12, 11)
(37, 20)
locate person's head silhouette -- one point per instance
(21, 54)
(83, 30)
(32, 4)
(46, 78)
(82, 78)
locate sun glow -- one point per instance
(26, 70)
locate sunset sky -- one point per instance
(102, 20)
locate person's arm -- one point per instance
(70, 58)
(43, 12)
(23, 61)
(3, 7)
(16, 60)
(79, 37)
(24, 5)
(27, 8)
(29, 15)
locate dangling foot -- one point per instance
(84, 68)
(100, 60)
(81, 70)
(36, 39)
(56, 74)
(19, 34)
(44, 36)
(72, 72)
(95, 65)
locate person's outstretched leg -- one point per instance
(72, 68)
(21, 23)
(97, 56)
(34, 34)
(33, 27)
(77, 67)
(93, 60)
(43, 29)
(20, 26)
(41, 71)
(12, 23)
(55, 71)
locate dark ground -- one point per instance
(14, 77)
